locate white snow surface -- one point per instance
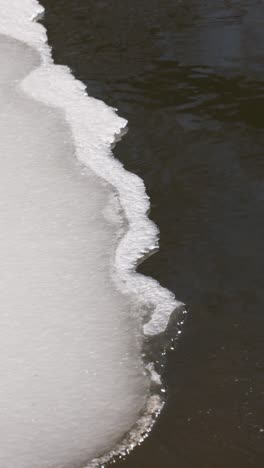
(72, 306)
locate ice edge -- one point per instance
(101, 132)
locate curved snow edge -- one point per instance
(95, 128)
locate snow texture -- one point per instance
(73, 227)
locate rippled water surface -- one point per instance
(189, 77)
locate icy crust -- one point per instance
(95, 128)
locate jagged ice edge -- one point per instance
(95, 127)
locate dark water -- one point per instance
(189, 77)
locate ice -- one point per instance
(73, 227)
(71, 375)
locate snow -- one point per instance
(73, 227)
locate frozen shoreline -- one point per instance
(95, 127)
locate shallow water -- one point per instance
(188, 76)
